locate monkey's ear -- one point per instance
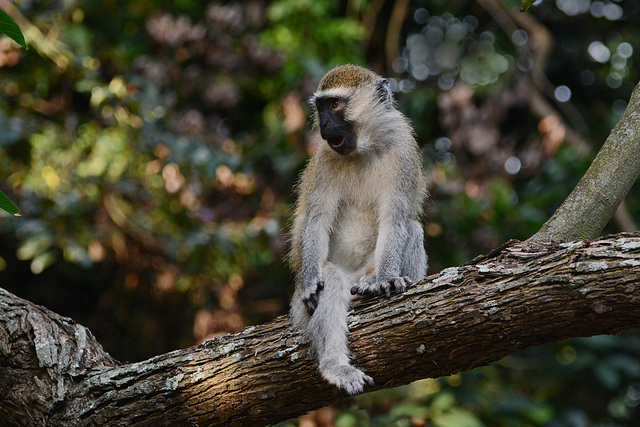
(384, 92)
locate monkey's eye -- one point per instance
(335, 104)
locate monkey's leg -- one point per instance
(327, 330)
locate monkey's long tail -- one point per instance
(327, 331)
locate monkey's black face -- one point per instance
(337, 131)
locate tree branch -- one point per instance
(52, 371)
(604, 186)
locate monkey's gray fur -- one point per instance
(356, 227)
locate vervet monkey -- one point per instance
(356, 228)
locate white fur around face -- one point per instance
(336, 92)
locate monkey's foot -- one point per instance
(371, 285)
(347, 377)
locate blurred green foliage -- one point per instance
(153, 146)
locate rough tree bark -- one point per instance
(53, 372)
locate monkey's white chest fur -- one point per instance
(352, 241)
(354, 231)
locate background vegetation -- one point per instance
(152, 147)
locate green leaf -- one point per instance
(526, 4)
(11, 29)
(8, 205)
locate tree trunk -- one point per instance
(53, 372)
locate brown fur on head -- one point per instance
(351, 76)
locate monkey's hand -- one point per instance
(311, 294)
(371, 284)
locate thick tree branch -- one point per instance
(52, 371)
(604, 186)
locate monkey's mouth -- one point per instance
(335, 141)
(341, 144)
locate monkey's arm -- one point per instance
(314, 247)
